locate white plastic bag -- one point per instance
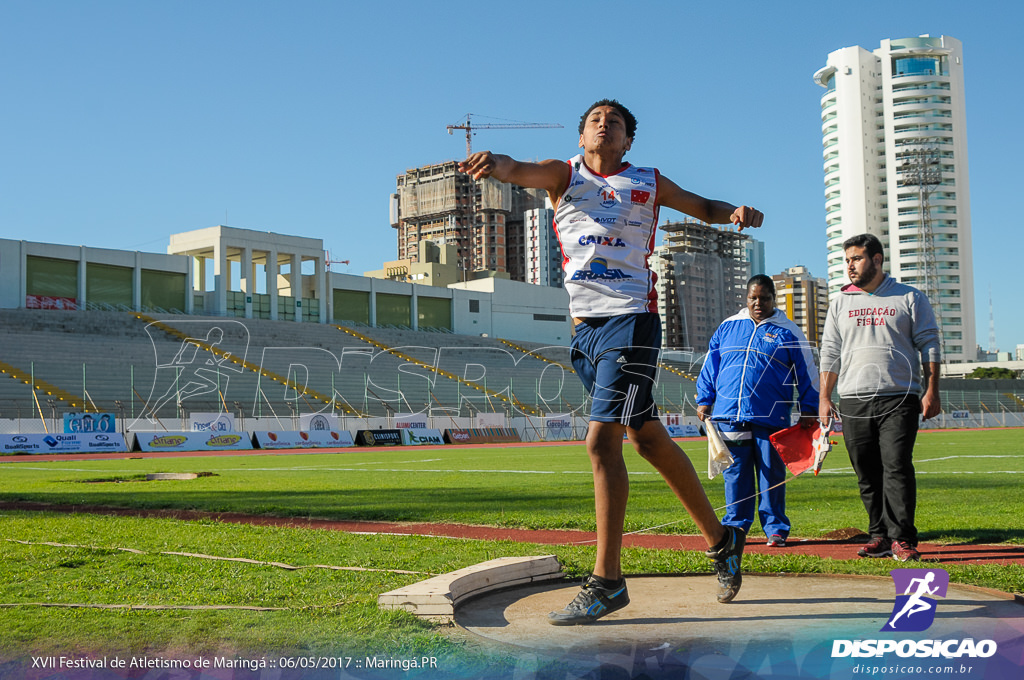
(719, 457)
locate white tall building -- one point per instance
(542, 252)
(894, 131)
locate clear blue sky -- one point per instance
(125, 122)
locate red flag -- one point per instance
(796, 447)
(637, 196)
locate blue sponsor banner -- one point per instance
(89, 422)
(94, 442)
(682, 430)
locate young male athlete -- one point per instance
(606, 215)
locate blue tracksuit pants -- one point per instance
(754, 461)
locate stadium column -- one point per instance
(137, 282)
(82, 283)
(296, 277)
(373, 302)
(190, 296)
(323, 293)
(272, 282)
(245, 276)
(414, 309)
(221, 278)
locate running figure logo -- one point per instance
(914, 611)
(199, 363)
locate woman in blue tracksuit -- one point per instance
(755, 360)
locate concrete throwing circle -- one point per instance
(793, 611)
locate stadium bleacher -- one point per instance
(137, 365)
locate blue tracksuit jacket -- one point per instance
(750, 371)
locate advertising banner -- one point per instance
(211, 422)
(420, 436)
(94, 442)
(89, 422)
(312, 422)
(558, 428)
(379, 437)
(50, 302)
(487, 420)
(683, 430)
(302, 439)
(482, 435)
(411, 420)
(192, 441)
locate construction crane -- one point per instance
(328, 262)
(468, 126)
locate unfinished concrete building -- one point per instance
(702, 276)
(482, 218)
(804, 299)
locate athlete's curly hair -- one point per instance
(630, 118)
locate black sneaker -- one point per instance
(879, 546)
(590, 604)
(727, 563)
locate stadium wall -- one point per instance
(488, 307)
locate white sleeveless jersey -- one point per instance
(606, 228)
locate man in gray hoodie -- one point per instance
(881, 345)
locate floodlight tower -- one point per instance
(921, 166)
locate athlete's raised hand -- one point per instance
(745, 216)
(481, 164)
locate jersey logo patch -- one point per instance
(588, 239)
(599, 271)
(638, 197)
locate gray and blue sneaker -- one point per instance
(727, 556)
(590, 604)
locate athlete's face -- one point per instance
(760, 302)
(862, 269)
(605, 130)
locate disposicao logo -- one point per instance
(914, 611)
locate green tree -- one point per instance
(993, 373)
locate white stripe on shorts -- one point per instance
(627, 407)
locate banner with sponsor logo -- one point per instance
(310, 422)
(482, 435)
(89, 422)
(683, 430)
(302, 439)
(211, 422)
(405, 421)
(50, 302)
(558, 428)
(92, 442)
(489, 420)
(192, 441)
(379, 437)
(420, 436)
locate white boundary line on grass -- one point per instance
(279, 565)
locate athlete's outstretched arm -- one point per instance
(550, 175)
(713, 212)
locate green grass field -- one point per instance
(969, 491)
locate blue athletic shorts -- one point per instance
(617, 360)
